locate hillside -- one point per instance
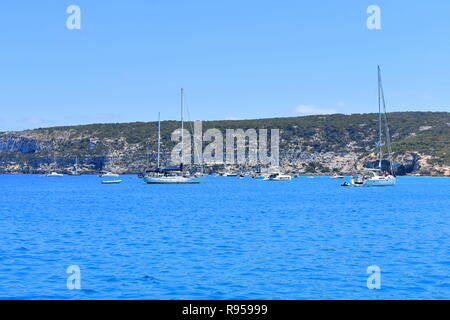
(315, 144)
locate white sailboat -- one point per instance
(54, 173)
(377, 177)
(171, 175)
(109, 174)
(75, 171)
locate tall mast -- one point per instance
(380, 142)
(159, 136)
(182, 128)
(386, 129)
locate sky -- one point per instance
(236, 59)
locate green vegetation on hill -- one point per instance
(427, 133)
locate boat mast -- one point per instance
(159, 137)
(380, 142)
(388, 135)
(182, 128)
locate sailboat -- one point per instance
(54, 173)
(377, 177)
(75, 171)
(171, 175)
(108, 174)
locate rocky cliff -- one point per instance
(313, 144)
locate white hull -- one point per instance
(259, 177)
(383, 182)
(171, 180)
(278, 178)
(54, 174)
(375, 182)
(229, 175)
(109, 175)
(281, 179)
(112, 182)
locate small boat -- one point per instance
(108, 175)
(278, 177)
(258, 176)
(337, 177)
(228, 174)
(345, 184)
(199, 175)
(111, 181)
(54, 174)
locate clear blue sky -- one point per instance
(236, 59)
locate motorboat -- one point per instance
(54, 174)
(278, 177)
(108, 175)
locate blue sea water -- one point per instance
(226, 238)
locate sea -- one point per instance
(225, 238)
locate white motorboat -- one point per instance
(278, 177)
(108, 175)
(54, 174)
(337, 177)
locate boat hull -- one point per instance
(380, 182)
(384, 182)
(280, 179)
(171, 180)
(112, 182)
